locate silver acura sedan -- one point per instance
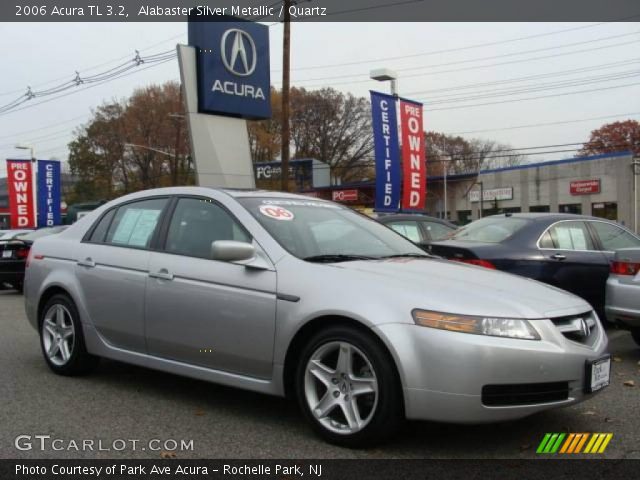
(291, 295)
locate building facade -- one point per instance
(600, 185)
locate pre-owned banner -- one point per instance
(387, 151)
(20, 186)
(414, 168)
(49, 193)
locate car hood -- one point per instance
(453, 287)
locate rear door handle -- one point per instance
(87, 262)
(558, 256)
(162, 274)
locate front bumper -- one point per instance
(443, 373)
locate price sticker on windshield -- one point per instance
(275, 212)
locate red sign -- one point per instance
(414, 168)
(584, 187)
(20, 182)
(344, 195)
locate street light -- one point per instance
(635, 165)
(23, 146)
(385, 75)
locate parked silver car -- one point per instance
(285, 294)
(623, 291)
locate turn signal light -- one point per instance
(625, 268)
(496, 327)
(475, 261)
(444, 321)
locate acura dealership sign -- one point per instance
(233, 68)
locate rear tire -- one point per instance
(62, 340)
(635, 333)
(348, 388)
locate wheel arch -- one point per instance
(49, 293)
(317, 324)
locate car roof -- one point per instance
(544, 216)
(413, 216)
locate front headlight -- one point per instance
(493, 326)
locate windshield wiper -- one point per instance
(411, 255)
(336, 257)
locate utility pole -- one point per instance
(446, 167)
(286, 57)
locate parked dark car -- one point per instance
(420, 229)
(572, 252)
(14, 250)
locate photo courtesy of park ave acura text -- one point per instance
(289, 238)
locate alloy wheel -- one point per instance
(340, 387)
(58, 334)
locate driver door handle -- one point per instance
(558, 256)
(87, 262)
(162, 274)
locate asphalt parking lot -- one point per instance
(119, 401)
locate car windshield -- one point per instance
(490, 229)
(323, 231)
(43, 232)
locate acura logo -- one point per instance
(584, 327)
(240, 56)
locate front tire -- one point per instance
(347, 387)
(635, 333)
(61, 338)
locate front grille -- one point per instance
(577, 328)
(524, 394)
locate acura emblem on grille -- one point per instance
(584, 328)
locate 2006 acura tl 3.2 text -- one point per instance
(285, 294)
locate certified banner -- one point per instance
(387, 151)
(49, 193)
(414, 168)
(20, 187)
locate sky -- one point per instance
(583, 71)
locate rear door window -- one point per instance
(569, 236)
(135, 223)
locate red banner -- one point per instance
(20, 184)
(414, 168)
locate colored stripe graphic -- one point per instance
(574, 443)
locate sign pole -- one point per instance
(34, 183)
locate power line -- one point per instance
(476, 67)
(536, 125)
(535, 98)
(450, 50)
(95, 80)
(456, 98)
(493, 57)
(574, 71)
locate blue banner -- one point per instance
(49, 187)
(387, 151)
(233, 67)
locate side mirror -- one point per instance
(232, 251)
